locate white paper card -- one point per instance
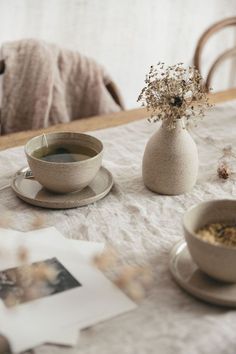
(66, 336)
(97, 299)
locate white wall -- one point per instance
(127, 36)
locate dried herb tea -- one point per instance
(65, 153)
(219, 233)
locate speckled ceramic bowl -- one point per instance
(218, 261)
(65, 177)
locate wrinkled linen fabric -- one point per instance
(45, 85)
(143, 227)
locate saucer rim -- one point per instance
(196, 292)
(69, 204)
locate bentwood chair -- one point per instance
(222, 57)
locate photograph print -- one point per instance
(33, 281)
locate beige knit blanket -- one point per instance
(45, 85)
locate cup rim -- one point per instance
(193, 234)
(63, 163)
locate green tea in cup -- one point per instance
(63, 153)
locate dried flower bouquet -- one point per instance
(174, 92)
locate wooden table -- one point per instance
(142, 227)
(98, 122)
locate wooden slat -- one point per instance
(99, 122)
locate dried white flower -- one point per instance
(174, 92)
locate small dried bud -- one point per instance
(228, 151)
(6, 220)
(22, 254)
(37, 222)
(44, 272)
(10, 300)
(136, 291)
(106, 260)
(176, 101)
(223, 171)
(127, 275)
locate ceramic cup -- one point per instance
(64, 177)
(218, 261)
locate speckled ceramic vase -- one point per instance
(170, 161)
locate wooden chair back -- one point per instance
(231, 21)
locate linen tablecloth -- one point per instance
(143, 227)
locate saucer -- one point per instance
(32, 192)
(193, 280)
